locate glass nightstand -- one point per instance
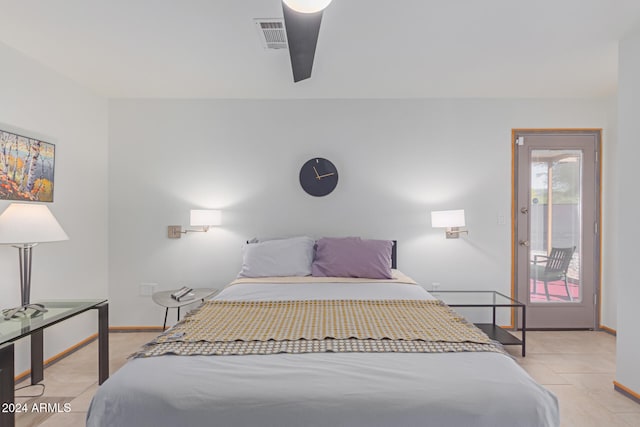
(489, 299)
(33, 327)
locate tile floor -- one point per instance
(578, 367)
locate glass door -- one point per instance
(557, 247)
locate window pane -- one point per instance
(555, 234)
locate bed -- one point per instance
(321, 388)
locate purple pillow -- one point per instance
(352, 257)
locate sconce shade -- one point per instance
(25, 223)
(307, 6)
(204, 217)
(446, 219)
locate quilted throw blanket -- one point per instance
(270, 327)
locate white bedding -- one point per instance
(324, 389)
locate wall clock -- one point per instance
(318, 177)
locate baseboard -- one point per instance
(608, 330)
(135, 328)
(22, 376)
(626, 391)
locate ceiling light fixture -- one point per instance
(307, 6)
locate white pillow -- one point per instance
(278, 258)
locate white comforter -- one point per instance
(324, 389)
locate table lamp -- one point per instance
(23, 226)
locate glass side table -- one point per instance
(33, 326)
(493, 300)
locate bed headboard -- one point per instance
(394, 254)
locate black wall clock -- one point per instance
(318, 177)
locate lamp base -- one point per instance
(21, 311)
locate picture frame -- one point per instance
(27, 166)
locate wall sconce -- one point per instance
(201, 218)
(451, 220)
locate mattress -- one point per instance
(324, 389)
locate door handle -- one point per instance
(524, 210)
(524, 243)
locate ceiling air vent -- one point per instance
(272, 33)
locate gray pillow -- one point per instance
(278, 258)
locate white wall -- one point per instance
(628, 205)
(397, 160)
(610, 227)
(37, 100)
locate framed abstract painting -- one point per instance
(27, 166)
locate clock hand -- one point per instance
(316, 171)
(326, 174)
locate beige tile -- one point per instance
(66, 420)
(576, 363)
(67, 378)
(543, 374)
(69, 386)
(570, 342)
(532, 358)
(87, 371)
(579, 410)
(38, 410)
(82, 402)
(122, 345)
(616, 402)
(631, 419)
(600, 387)
(591, 382)
(25, 394)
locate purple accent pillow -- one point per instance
(352, 257)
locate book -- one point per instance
(181, 293)
(187, 297)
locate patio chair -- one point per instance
(552, 267)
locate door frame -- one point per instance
(598, 243)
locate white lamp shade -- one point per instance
(205, 217)
(446, 219)
(307, 6)
(23, 223)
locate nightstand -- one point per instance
(163, 298)
(34, 327)
(489, 299)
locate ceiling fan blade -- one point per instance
(302, 35)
